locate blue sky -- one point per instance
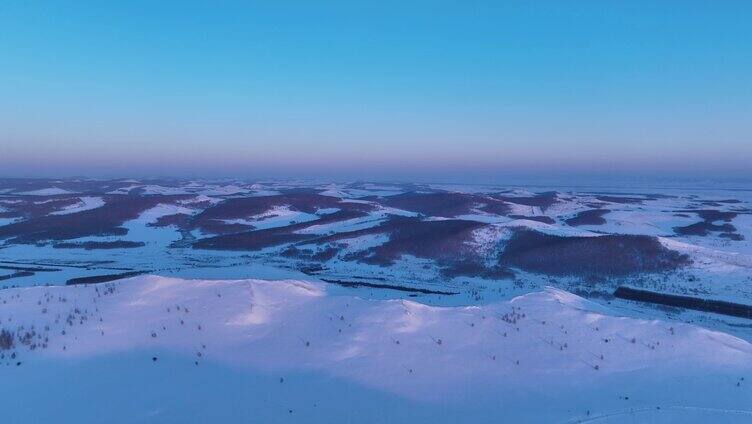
(460, 90)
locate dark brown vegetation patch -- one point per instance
(687, 302)
(35, 206)
(474, 267)
(95, 279)
(102, 221)
(621, 199)
(179, 220)
(712, 215)
(17, 274)
(708, 224)
(542, 200)
(79, 186)
(443, 240)
(588, 217)
(260, 239)
(635, 196)
(215, 226)
(355, 284)
(610, 255)
(540, 218)
(323, 254)
(250, 240)
(244, 207)
(703, 228)
(445, 204)
(7, 339)
(719, 202)
(732, 236)
(94, 245)
(211, 219)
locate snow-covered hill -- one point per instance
(547, 356)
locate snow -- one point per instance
(652, 223)
(710, 259)
(371, 220)
(486, 239)
(244, 318)
(158, 189)
(201, 198)
(345, 191)
(224, 190)
(545, 356)
(8, 221)
(125, 190)
(550, 229)
(150, 216)
(342, 226)
(348, 193)
(517, 209)
(278, 216)
(52, 191)
(260, 193)
(85, 203)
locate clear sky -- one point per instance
(458, 90)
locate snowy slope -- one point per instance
(52, 191)
(569, 356)
(85, 203)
